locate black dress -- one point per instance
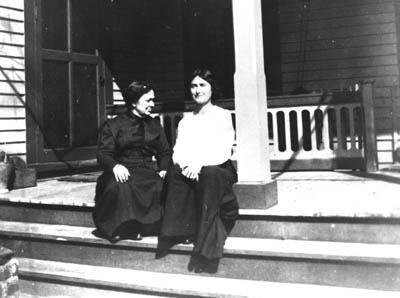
(205, 209)
(132, 142)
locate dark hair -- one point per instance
(134, 92)
(208, 76)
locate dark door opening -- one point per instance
(65, 79)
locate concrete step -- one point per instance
(55, 287)
(116, 282)
(372, 266)
(251, 223)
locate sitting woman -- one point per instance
(200, 204)
(128, 193)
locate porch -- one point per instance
(167, 59)
(301, 193)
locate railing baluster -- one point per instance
(287, 130)
(351, 124)
(275, 130)
(300, 128)
(325, 128)
(313, 131)
(339, 128)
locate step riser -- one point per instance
(38, 287)
(37, 213)
(313, 229)
(338, 273)
(297, 228)
(81, 216)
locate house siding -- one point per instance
(156, 29)
(12, 78)
(335, 44)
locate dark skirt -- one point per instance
(135, 201)
(206, 209)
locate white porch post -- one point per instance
(255, 188)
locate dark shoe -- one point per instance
(164, 244)
(161, 253)
(212, 266)
(193, 263)
(112, 239)
(198, 268)
(208, 266)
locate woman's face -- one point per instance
(201, 90)
(145, 104)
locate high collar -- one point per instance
(136, 118)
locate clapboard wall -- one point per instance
(12, 78)
(335, 44)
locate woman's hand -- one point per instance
(121, 173)
(162, 173)
(191, 172)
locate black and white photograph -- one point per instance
(199, 148)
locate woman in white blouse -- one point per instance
(200, 205)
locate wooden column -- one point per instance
(395, 95)
(255, 188)
(396, 92)
(370, 149)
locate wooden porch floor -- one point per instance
(316, 194)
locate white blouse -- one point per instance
(204, 138)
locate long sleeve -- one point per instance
(164, 151)
(221, 140)
(181, 154)
(106, 149)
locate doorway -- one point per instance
(66, 79)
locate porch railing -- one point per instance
(319, 131)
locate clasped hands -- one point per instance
(122, 174)
(191, 172)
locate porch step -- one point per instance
(119, 282)
(251, 223)
(55, 287)
(370, 266)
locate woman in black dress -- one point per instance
(128, 193)
(200, 204)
